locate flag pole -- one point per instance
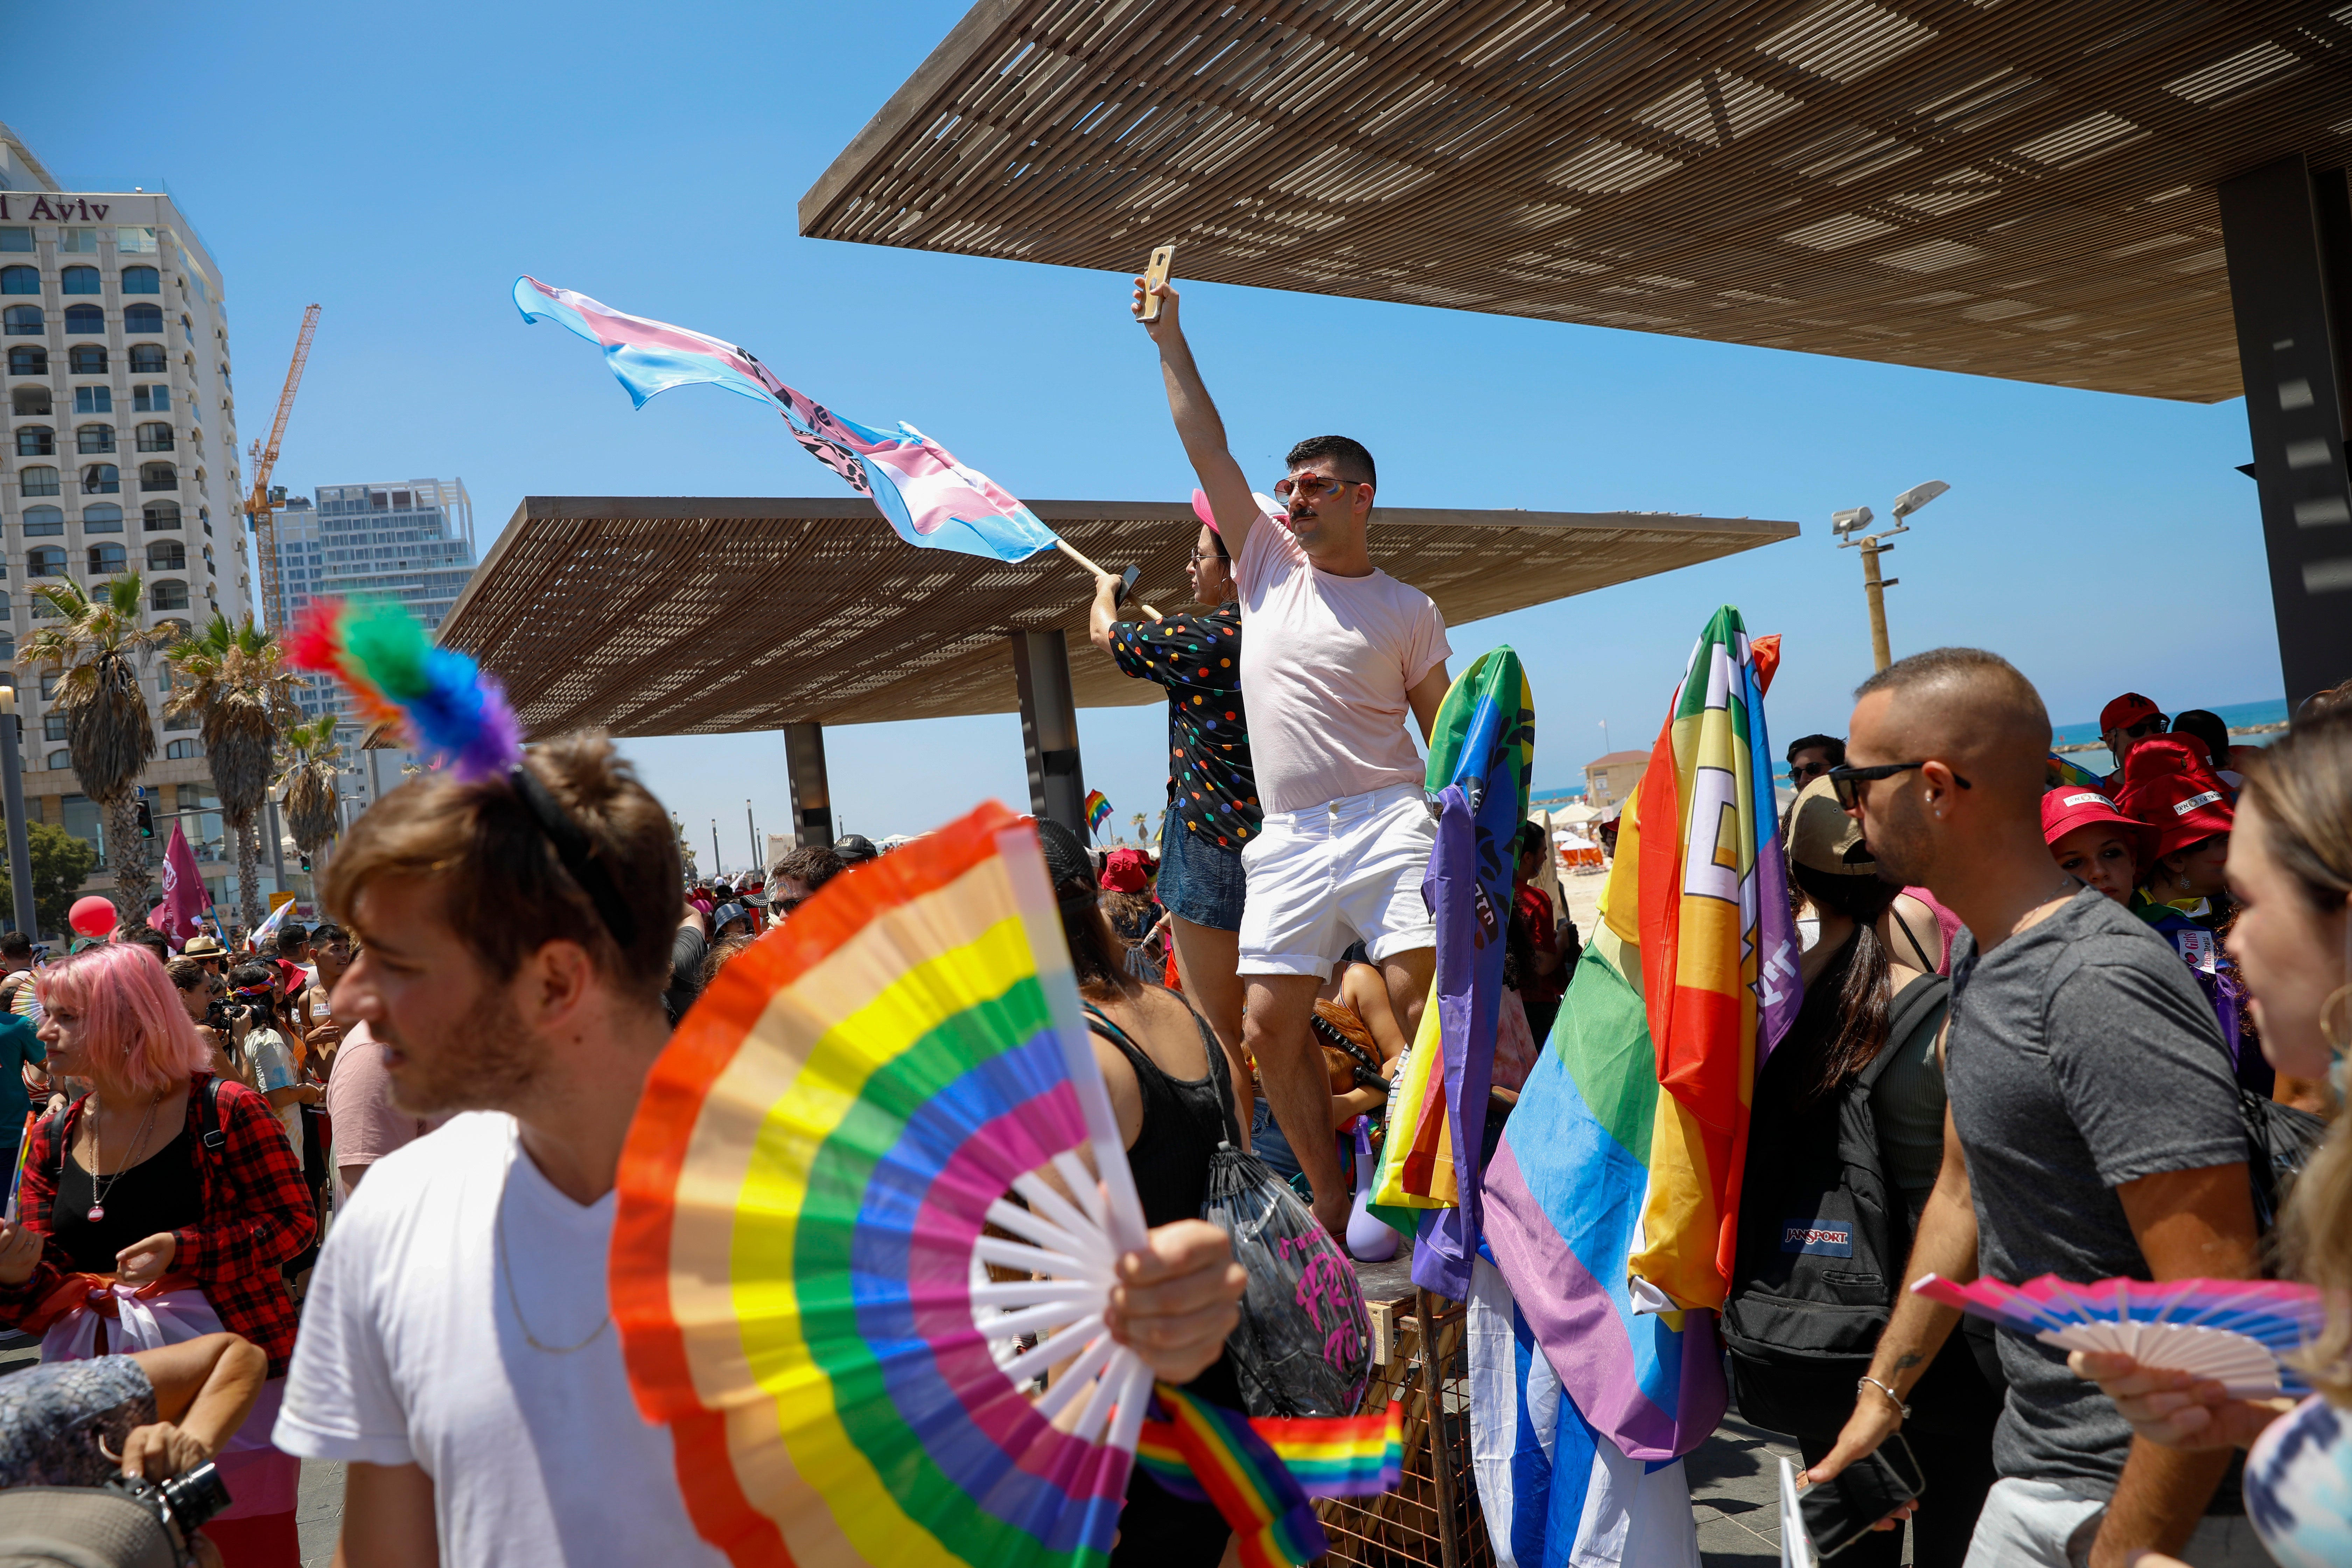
(1065, 546)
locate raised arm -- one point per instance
(1197, 424)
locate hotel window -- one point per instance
(170, 594)
(38, 481)
(93, 400)
(167, 555)
(142, 319)
(161, 514)
(129, 240)
(177, 751)
(86, 359)
(40, 521)
(106, 560)
(149, 359)
(24, 360)
(16, 240)
(94, 438)
(102, 479)
(80, 241)
(36, 441)
(78, 281)
(53, 727)
(24, 321)
(141, 280)
(159, 476)
(20, 279)
(47, 561)
(85, 319)
(155, 437)
(101, 517)
(62, 760)
(154, 399)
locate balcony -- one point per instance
(148, 484)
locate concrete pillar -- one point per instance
(1049, 727)
(811, 796)
(2288, 237)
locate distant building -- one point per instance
(1610, 781)
(121, 449)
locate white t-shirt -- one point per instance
(1325, 662)
(411, 1353)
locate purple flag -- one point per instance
(184, 899)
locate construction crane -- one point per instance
(260, 511)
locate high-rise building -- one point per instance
(411, 540)
(120, 456)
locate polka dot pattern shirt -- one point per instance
(1198, 658)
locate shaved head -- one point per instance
(1968, 707)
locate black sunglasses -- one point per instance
(1847, 782)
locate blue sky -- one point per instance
(401, 165)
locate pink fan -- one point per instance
(2239, 1333)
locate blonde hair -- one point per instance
(2301, 790)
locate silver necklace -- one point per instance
(97, 1188)
(506, 1272)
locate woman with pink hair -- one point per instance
(158, 1208)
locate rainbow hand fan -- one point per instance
(810, 1193)
(2238, 1332)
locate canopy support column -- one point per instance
(2287, 235)
(1049, 727)
(811, 797)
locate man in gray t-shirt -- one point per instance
(2091, 1130)
(2081, 1056)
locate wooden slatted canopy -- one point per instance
(669, 615)
(2019, 189)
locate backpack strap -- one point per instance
(216, 1138)
(1911, 1008)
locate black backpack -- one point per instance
(1823, 1235)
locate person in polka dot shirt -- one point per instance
(1213, 805)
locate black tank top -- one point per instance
(1184, 1120)
(159, 1193)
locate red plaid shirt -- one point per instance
(256, 1214)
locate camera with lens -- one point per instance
(180, 1504)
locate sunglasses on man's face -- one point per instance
(2151, 725)
(1309, 488)
(1848, 782)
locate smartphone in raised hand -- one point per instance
(1154, 274)
(1125, 586)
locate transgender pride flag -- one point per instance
(929, 497)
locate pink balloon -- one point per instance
(93, 916)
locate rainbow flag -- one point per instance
(1612, 1202)
(1207, 1453)
(2063, 774)
(930, 498)
(1097, 810)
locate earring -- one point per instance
(2184, 881)
(2334, 1033)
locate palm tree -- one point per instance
(1142, 830)
(102, 649)
(234, 679)
(313, 759)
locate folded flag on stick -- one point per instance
(2238, 1332)
(2075, 774)
(931, 498)
(1097, 810)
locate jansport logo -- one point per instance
(1818, 1236)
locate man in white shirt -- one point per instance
(1335, 654)
(458, 1348)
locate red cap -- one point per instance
(2066, 809)
(2129, 709)
(1126, 871)
(2170, 785)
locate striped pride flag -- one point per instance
(1097, 810)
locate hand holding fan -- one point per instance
(805, 1203)
(2238, 1332)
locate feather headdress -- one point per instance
(449, 707)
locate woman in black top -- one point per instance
(1174, 1102)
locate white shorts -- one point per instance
(1349, 870)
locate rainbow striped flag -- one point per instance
(1612, 1202)
(2063, 775)
(1260, 1473)
(1097, 810)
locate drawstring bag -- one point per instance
(1304, 1345)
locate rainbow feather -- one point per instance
(447, 705)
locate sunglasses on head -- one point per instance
(1848, 782)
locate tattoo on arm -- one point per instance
(1906, 1361)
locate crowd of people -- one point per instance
(348, 1194)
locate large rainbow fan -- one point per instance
(823, 1166)
(2238, 1332)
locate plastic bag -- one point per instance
(1304, 1346)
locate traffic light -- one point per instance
(306, 863)
(146, 820)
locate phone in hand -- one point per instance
(1125, 586)
(1154, 274)
(1840, 1511)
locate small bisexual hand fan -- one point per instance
(805, 1197)
(2238, 1332)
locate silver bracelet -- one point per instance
(1874, 1383)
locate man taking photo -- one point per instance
(1335, 654)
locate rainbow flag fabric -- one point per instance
(1260, 1473)
(931, 500)
(2065, 774)
(1612, 1203)
(1097, 810)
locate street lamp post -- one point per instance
(12, 799)
(752, 826)
(1873, 546)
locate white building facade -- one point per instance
(119, 456)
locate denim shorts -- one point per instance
(1198, 883)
